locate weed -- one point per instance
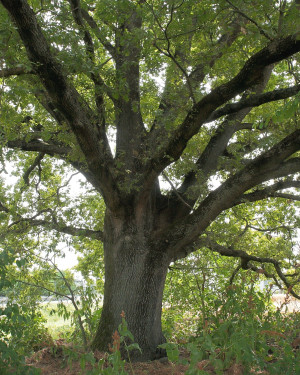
(243, 331)
(120, 340)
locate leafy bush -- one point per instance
(123, 341)
(244, 329)
(21, 327)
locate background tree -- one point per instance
(203, 95)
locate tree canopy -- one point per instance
(182, 116)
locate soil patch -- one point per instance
(64, 360)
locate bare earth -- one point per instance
(56, 364)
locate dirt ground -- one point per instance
(55, 363)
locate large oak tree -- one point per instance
(202, 94)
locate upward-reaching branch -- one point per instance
(218, 143)
(261, 30)
(250, 74)
(90, 51)
(77, 113)
(271, 164)
(168, 107)
(129, 122)
(93, 25)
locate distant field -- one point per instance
(56, 324)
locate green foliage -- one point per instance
(176, 39)
(21, 326)
(193, 285)
(172, 351)
(227, 324)
(89, 307)
(123, 343)
(239, 332)
(112, 363)
(243, 328)
(25, 286)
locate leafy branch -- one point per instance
(270, 164)
(16, 71)
(80, 117)
(261, 30)
(199, 72)
(249, 75)
(271, 192)
(90, 51)
(217, 145)
(167, 52)
(247, 258)
(55, 225)
(255, 101)
(93, 25)
(36, 163)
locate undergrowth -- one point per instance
(238, 326)
(243, 328)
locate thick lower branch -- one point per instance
(55, 150)
(17, 71)
(269, 165)
(40, 146)
(247, 258)
(55, 225)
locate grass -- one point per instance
(56, 324)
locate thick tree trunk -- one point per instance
(135, 275)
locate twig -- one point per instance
(175, 191)
(36, 163)
(234, 273)
(250, 19)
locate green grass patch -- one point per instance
(58, 321)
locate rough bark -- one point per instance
(135, 275)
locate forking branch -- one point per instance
(249, 75)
